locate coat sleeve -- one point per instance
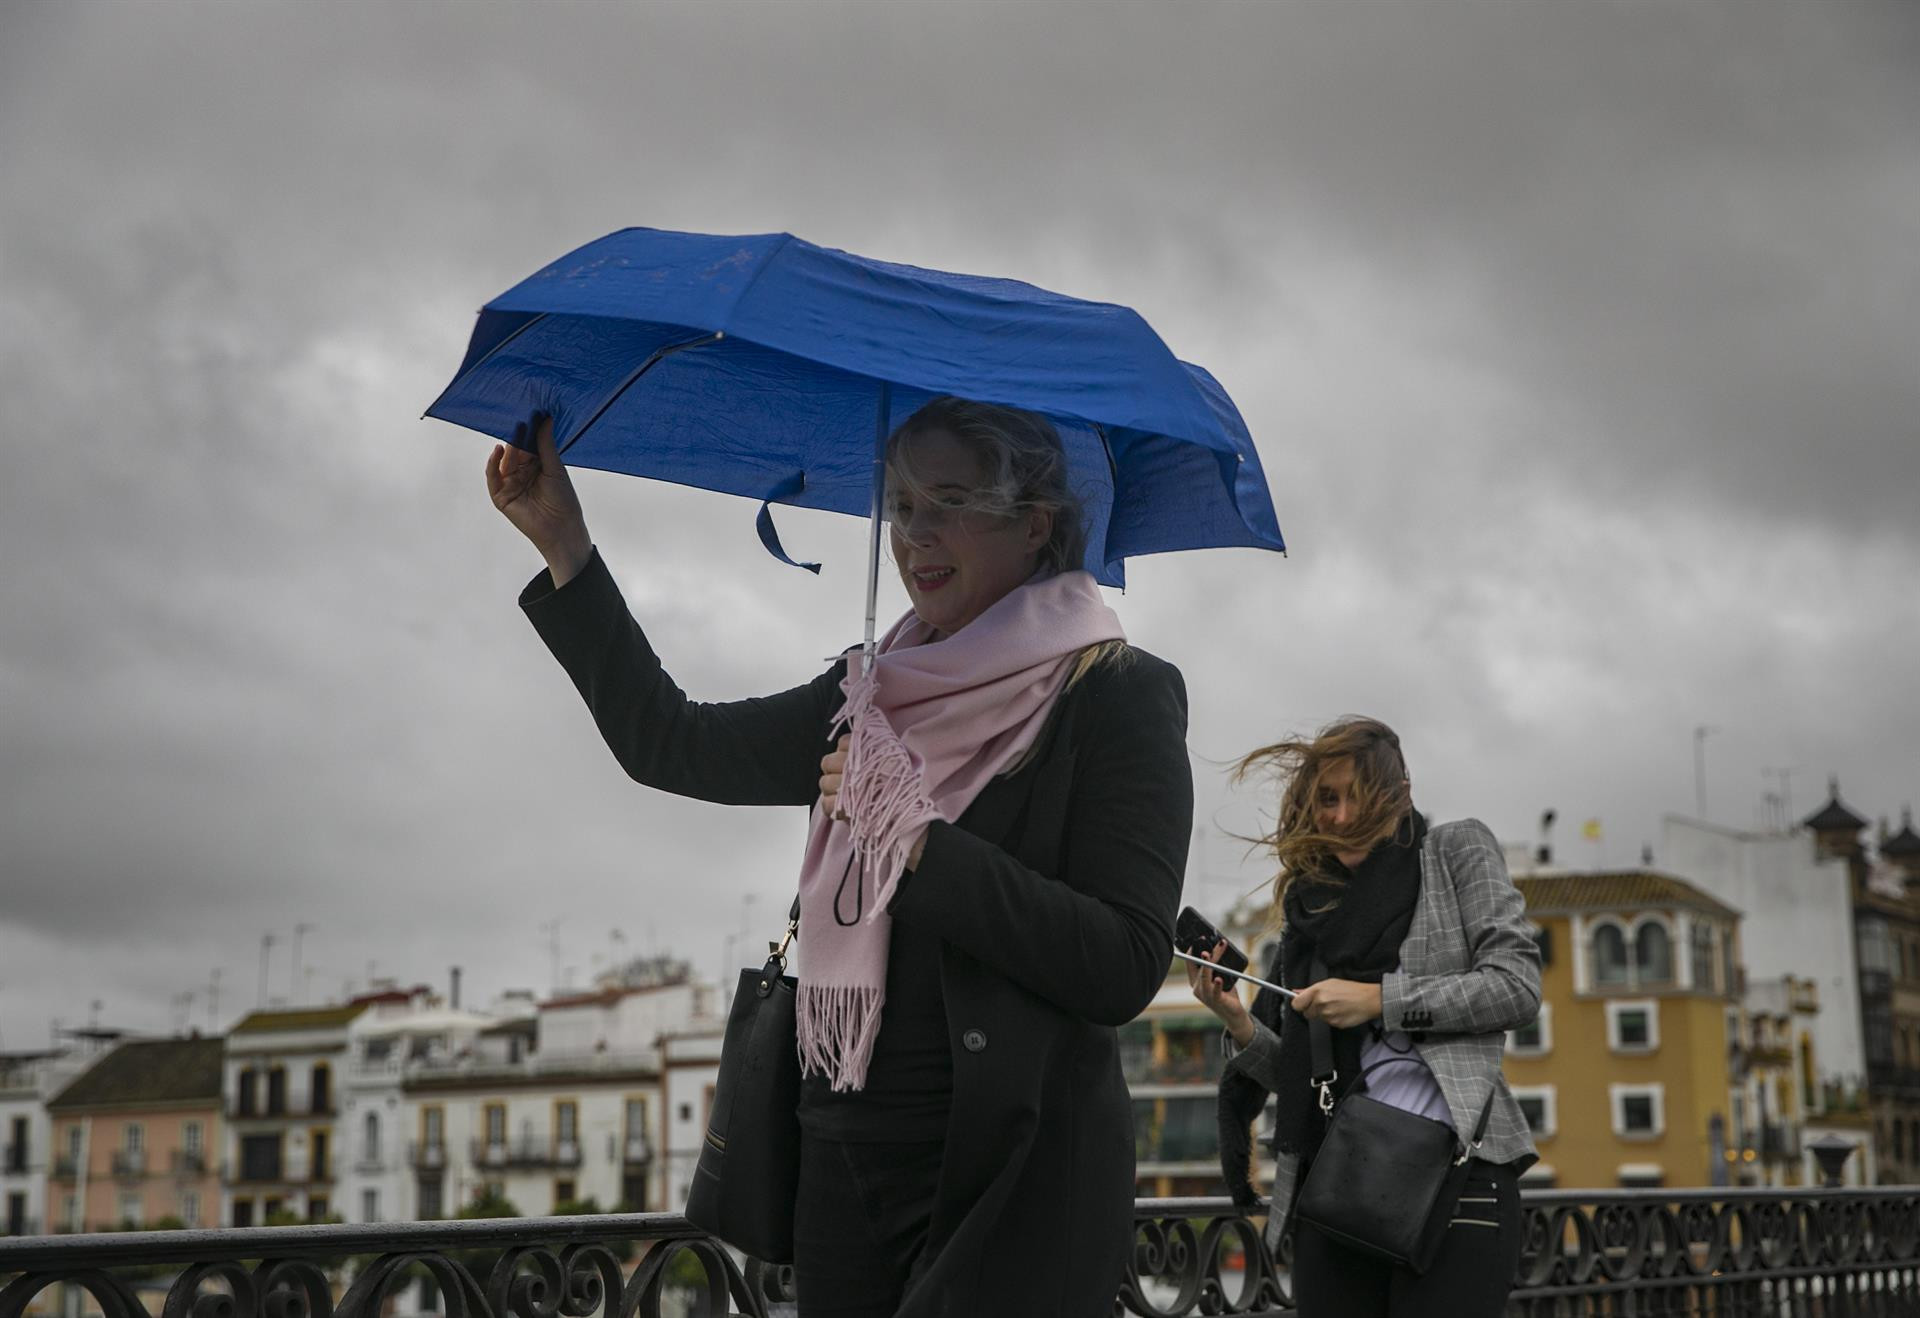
(1501, 988)
(1095, 940)
(764, 751)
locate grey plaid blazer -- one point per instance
(1469, 972)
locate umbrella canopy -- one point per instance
(763, 365)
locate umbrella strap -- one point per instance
(769, 537)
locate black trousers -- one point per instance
(860, 1224)
(1470, 1276)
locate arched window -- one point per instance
(1653, 953)
(1609, 955)
(371, 1139)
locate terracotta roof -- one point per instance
(1904, 843)
(150, 1071)
(299, 1018)
(606, 997)
(1617, 890)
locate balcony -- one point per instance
(427, 1156)
(529, 1153)
(187, 1163)
(1586, 1252)
(129, 1164)
(65, 1166)
(636, 1151)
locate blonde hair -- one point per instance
(1025, 467)
(1381, 792)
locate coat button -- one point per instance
(975, 1041)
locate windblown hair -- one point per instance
(1380, 789)
(1024, 462)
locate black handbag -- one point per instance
(1385, 1181)
(749, 1170)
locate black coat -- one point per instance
(1054, 896)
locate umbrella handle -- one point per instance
(881, 429)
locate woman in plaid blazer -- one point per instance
(1428, 962)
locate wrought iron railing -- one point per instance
(1728, 1253)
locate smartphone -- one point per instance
(1194, 933)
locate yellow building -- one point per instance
(1625, 1076)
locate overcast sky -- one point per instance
(1579, 341)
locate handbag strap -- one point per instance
(1320, 1039)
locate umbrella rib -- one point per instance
(654, 359)
(483, 361)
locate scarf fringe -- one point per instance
(882, 793)
(835, 1026)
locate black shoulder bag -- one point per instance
(1385, 1180)
(749, 1170)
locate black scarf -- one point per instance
(1354, 925)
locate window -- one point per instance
(243, 1212)
(260, 1157)
(321, 1095)
(1539, 1103)
(73, 1143)
(317, 1169)
(130, 1209)
(244, 1083)
(1639, 1111)
(1642, 1175)
(1876, 951)
(70, 1211)
(370, 1138)
(270, 1209)
(1633, 1027)
(369, 1205)
(563, 1193)
(636, 1135)
(1535, 1040)
(134, 1138)
(192, 1139)
(1653, 954)
(431, 1203)
(686, 1109)
(317, 1207)
(190, 1207)
(566, 1123)
(1609, 955)
(1700, 937)
(496, 1115)
(277, 1091)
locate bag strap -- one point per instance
(1320, 1041)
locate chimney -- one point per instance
(453, 998)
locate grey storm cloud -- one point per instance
(1578, 341)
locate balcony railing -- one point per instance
(187, 1163)
(17, 1160)
(129, 1164)
(636, 1150)
(26, 1226)
(532, 1151)
(65, 1166)
(1586, 1253)
(427, 1155)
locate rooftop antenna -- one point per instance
(1783, 773)
(1700, 735)
(293, 977)
(213, 999)
(266, 946)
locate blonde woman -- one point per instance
(1017, 784)
(1428, 963)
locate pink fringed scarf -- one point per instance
(931, 725)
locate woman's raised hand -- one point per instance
(535, 493)
(1221, 997)
(833, 767)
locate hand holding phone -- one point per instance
(1195, 935)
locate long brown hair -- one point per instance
(1380, 790)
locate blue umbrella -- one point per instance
(768, 367)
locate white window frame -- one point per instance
(193, 1138)
(1549, 1096)
(1589, 929)
(1616, 1007)
(190, 1207)
(1546, 1036)
(1616, 1105)
(1675, 978)
(137, 1202)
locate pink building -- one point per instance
(134, 1138)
